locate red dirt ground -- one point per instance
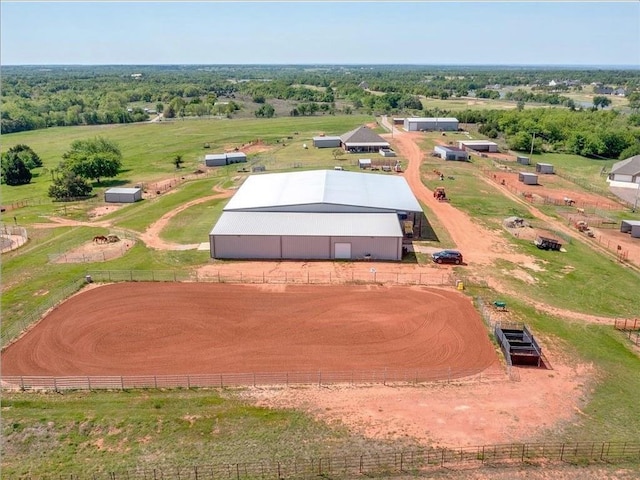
(551, 186)
(151, 328)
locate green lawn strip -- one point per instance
(85, 432)
(578, 280)
(194, 224)
(149, 149)
(146, 212)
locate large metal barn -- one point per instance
(316, 215)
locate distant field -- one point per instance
(149, 148)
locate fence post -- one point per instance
(55, 385)
(121, 382)
(319, 379)
(221, 385)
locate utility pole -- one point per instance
(533, 140)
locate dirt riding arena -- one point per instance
(194, 328)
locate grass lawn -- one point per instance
(83, 432)
(149, 148)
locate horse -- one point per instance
(100, 239)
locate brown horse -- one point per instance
(100, 239)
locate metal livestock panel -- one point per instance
(378, 248)
(306, 248)
(250, 247)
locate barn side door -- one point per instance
(342, 251)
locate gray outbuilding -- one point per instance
(221, 159)
(320, 214)
(523, 160)
(632, 227)
(451, 153)
(544, 168)
(123, 195)
(528, 178)
(326, 142)
(215, 159)
(418, 124)
(478, 145)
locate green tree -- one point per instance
(337, 152)
(69, 185)
(14, 171)
(93, 159)
(600, 101)
(30, 158)
(177, 161)
(265, 111)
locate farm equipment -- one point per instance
(440, 194)
(582, 226)
(545, 243)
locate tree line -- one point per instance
(41, 97)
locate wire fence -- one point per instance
(369, 276)
(236, 380)
(381, 464)
(631, 329)
(547, 200)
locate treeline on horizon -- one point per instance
(35, 97)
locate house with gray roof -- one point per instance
(319, 214)
(363, 140)
(626, 172)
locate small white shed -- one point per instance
(631, 226)
(545, 168)
(123, 195)
(364, 163)
(528, 178)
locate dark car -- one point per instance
(447, 256)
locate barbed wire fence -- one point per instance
(382, 464)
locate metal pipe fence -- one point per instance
(255, 379)
(380, 464)
(300, 277)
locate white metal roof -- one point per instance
(308, 224)
(325, 187)
(215, 156)
(123, 190)
(326, 138)
(432, 119)
(476, 142)
(632, 223)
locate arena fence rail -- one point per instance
(384, 464)
(362, 277)
(232, 380)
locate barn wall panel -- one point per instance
(306, 248)
(250, 246)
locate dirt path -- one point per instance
(151, 236)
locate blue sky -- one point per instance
(341, 32)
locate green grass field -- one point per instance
(83, 431)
